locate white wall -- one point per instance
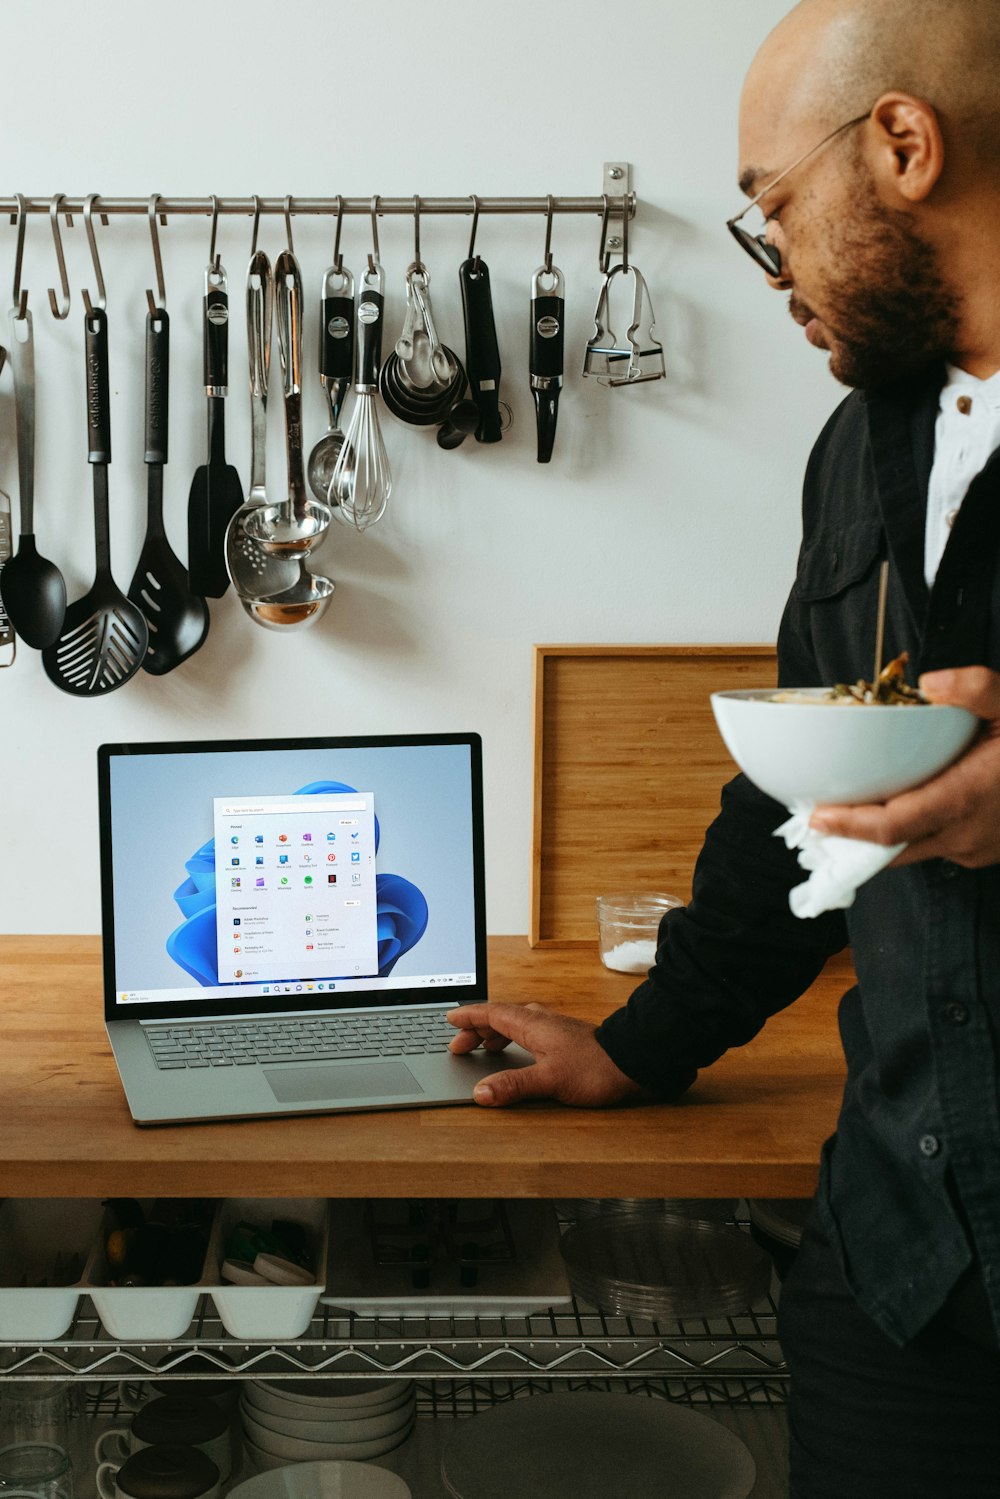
(669, 512)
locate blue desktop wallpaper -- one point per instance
(164, 857)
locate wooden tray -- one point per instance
(628, 769)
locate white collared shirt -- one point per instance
(967, 432)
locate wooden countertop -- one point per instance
(752, 1125)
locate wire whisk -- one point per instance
(361, 481)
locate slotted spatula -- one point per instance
(176, 618)
(103, 639)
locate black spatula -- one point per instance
(216, 493)
(103, 638)
(176, 618)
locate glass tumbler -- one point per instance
(39, 1468)
(627, 924)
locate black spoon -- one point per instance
(103, 639)
(176, 618)
(34, 590)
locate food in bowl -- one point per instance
(889, 690)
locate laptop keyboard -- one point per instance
(248, 1043)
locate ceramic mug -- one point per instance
(172, 1420)
(41, 1468)
(165, 1472)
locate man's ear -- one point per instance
(905, 147)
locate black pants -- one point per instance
(871, 1420)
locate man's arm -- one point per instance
(726, 962)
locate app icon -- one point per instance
(259, 859)
(237, 921)
(307, 858)
(234, 883)
(331, 879)
(260, 839)
(309, 948)
(355, 877)
(309, 918)
(319, 986)
(234, 839)
(235, 949)
(331, 858)
(284, 879)
(282, 858)
(355, 856)
(331, 837)
(355, 836)
(282, 837)
(266, 989)
(298, 988)
(260, 882)
(307, 837)
(309, 986)
(308, 880)
(235, 861)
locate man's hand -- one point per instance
(570, 1064)
(955, 816)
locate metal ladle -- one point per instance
(336, 361)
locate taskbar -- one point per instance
(272, 987)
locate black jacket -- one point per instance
(910, 1184)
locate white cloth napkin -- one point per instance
(837, 865)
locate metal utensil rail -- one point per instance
(571, 1342)
(167, 207)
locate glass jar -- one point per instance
(627, 926)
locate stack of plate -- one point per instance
(777, 1225)
(661, 1267)
(291, 1421)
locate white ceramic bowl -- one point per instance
(824, 752)
(329, 1398)
(269, 1456)
(337, 1480)
(361, 1426)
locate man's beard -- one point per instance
(888, 312)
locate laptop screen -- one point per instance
(249, 876)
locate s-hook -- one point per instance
(418, 263)
(88, 220)
(60, 306)
(214, 260)
(256, 226)
(160, 303)
(288, 223)
(472, 236)
(19, 298)
(374, 262)
(338, 259)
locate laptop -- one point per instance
(287, 922)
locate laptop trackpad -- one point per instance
(359, 1080)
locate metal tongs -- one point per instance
(639, 356)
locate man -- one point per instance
(870, 143)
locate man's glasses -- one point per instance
(767, 255)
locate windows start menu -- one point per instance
(295, 881)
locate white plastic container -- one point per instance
(32, 1233)
(146, 1314)
(269, 1311)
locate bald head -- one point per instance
(830, 60)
